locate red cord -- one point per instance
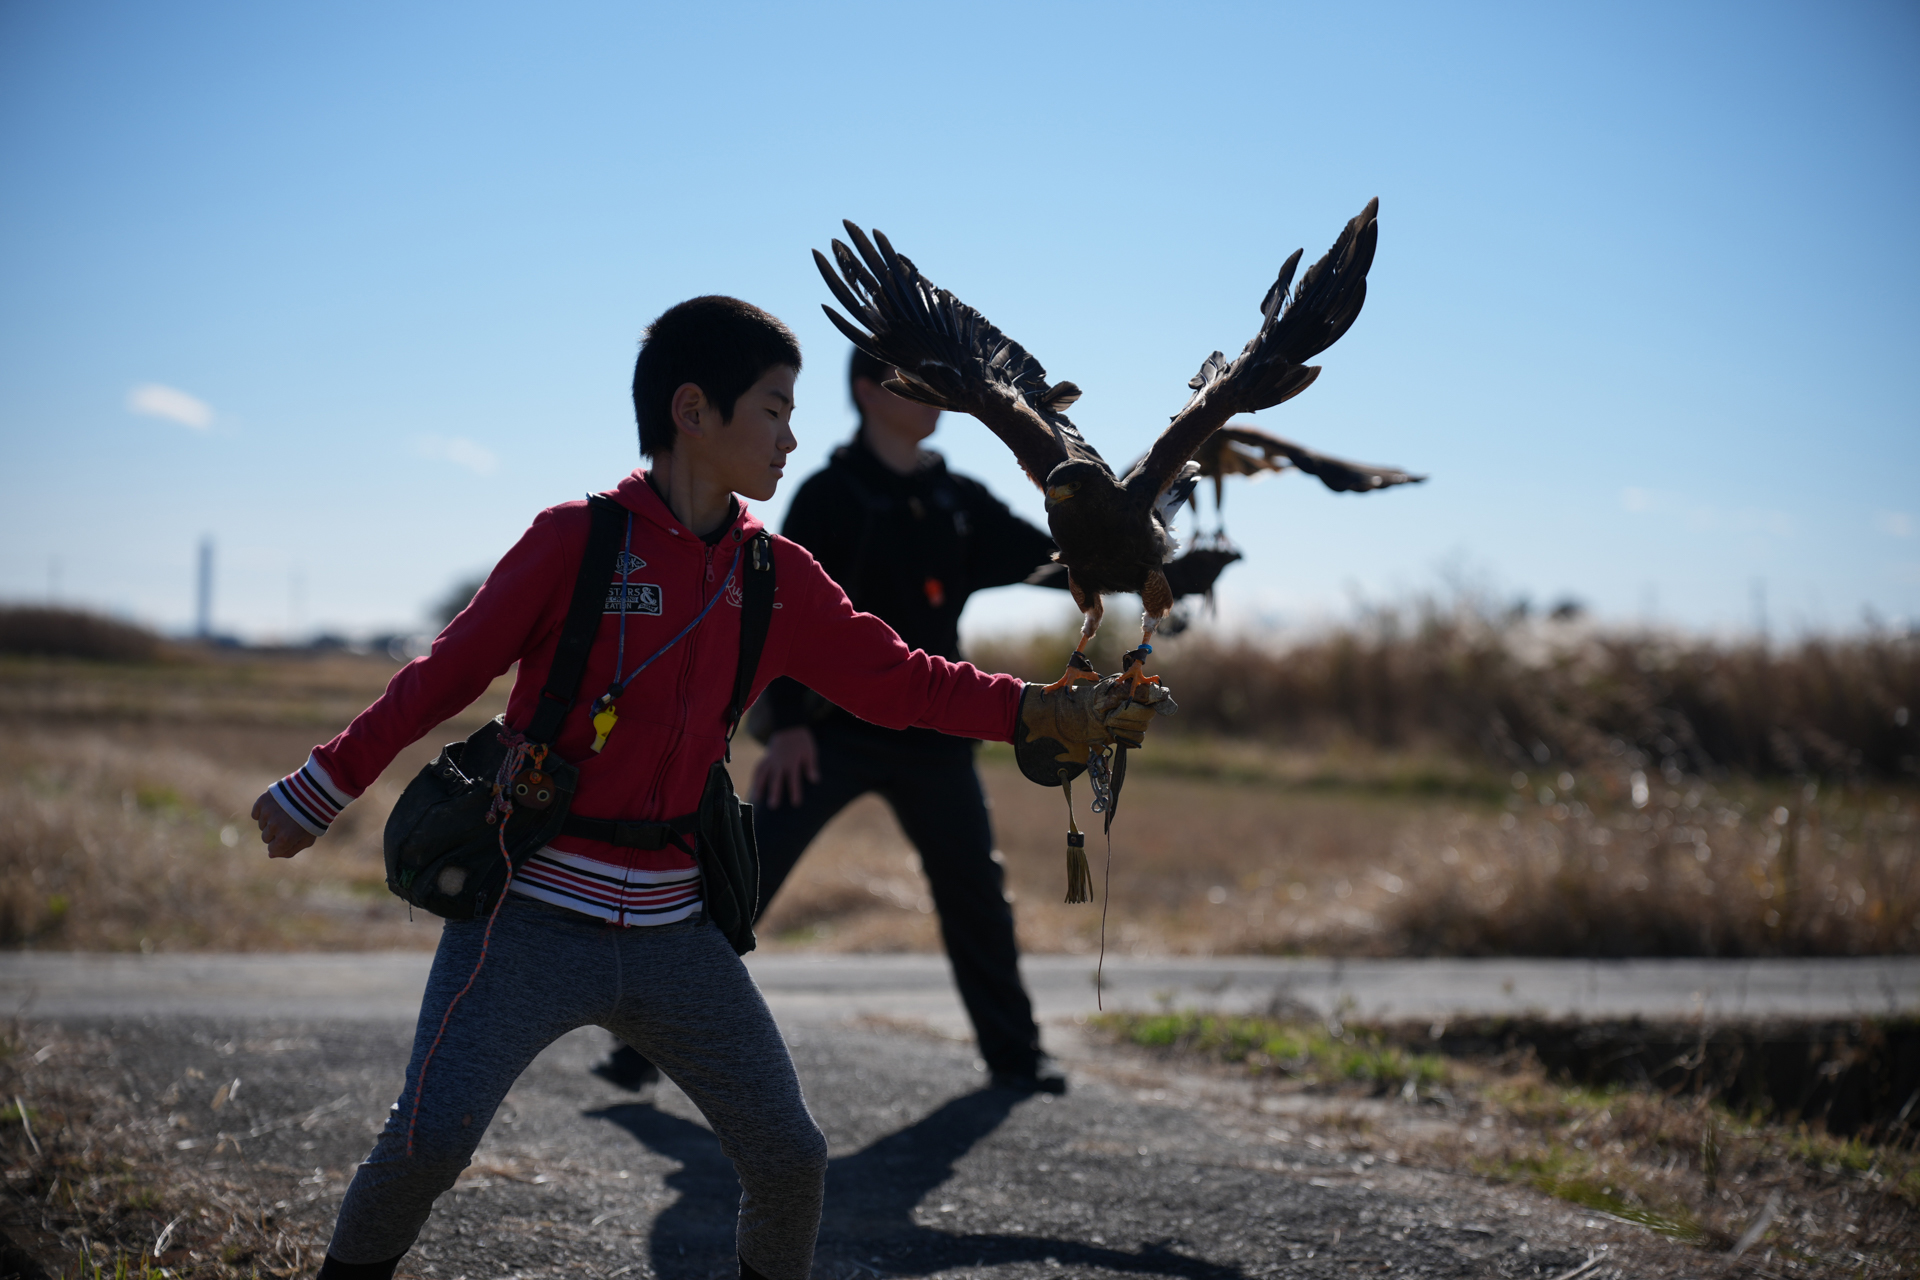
(502, 810)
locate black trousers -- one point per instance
(935, 793)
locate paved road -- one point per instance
(1138, 1172)
(1141, 1170)
(831, 988)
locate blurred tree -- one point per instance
(74, 633)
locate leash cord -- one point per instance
(1106, 898)
(501, 810)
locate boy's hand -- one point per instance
(791, 755)
(1059, 728)
(282, 835)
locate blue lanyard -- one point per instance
(619, 685)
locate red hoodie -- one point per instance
(672, 717)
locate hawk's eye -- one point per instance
(1061, 492)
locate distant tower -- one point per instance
(203, 611)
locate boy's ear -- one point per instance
(692, 411)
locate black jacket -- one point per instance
(909, 549)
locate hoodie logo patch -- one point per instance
(642, 597)
(628, 562)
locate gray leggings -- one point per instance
(676, 992)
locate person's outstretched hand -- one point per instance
(1059, 728)
(281, 834)
(791, 757)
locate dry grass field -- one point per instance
(125, 782)
(126, 788)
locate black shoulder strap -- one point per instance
(756, 618)
(583, 619)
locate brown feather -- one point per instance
(1271, 368)
(1156, 595)
(1243, 449)
(949, 354)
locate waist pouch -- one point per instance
(729, 859)
(442, 854)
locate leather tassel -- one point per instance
(1079, 876)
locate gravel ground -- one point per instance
(1140, 1170)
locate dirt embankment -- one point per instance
(131, 784)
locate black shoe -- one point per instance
(1045, 1077)
(626, 1069)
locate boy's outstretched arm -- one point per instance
(857, 662)
(522, 600)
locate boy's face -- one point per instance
(751, 450)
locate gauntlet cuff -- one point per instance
(1040, 759)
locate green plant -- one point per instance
(120, 1265)
(1577, 1178)
(1303, 1050)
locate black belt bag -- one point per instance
(442, 852)
(443, 855)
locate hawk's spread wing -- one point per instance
(1241, 450)
(1272, 366)
(950, 356)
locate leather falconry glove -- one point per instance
(1059, 728)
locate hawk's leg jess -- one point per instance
(1134, 665)
(1079, 666)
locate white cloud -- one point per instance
(476, 458)
(157, 401)
(1636, 499)
(1895, 524)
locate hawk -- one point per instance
(1114, 533)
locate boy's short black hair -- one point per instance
(720, 344)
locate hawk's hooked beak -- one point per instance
(1061, 492)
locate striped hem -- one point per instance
(618, 895)
(310, 797)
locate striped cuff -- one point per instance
(310, 797)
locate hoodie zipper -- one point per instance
(678, 732)
(681, 682)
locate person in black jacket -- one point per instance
(909, 541)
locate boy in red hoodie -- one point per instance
(594, 933)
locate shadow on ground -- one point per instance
(871, 1198)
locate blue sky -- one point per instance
(355, 289)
